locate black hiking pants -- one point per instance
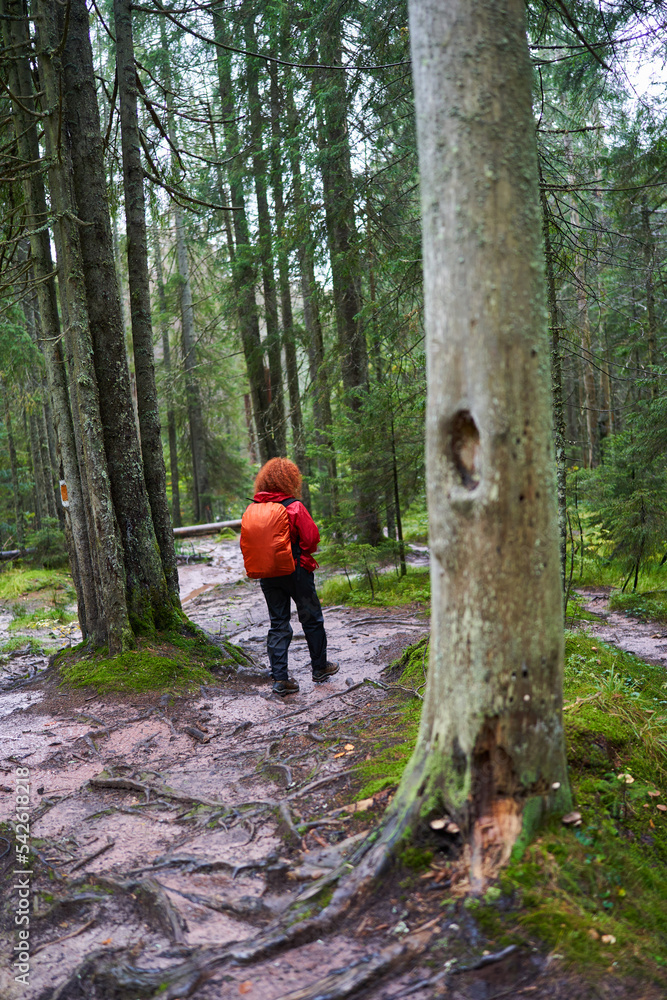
(299, 587)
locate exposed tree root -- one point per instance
(110, 975)
(286, 826)
(345, 982)
(194, 864)
(248, 908)
(161, 791)
(154, 899)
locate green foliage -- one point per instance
(415, 858)
(607, 877)
(368, 581)
(398, 735)
(648, 605)
(415, 521)
(628, 495)
(47, 544)
(41, 618)
(171, 662)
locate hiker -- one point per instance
(278, 538)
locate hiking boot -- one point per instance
(324, 675)
(288, 686)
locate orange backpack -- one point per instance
(265, 540)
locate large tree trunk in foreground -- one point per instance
(490, 750)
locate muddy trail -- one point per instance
(166, 833)
(647, 640)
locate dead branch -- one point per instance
(65, 937)
(196, 734)
(195, 864)
(317, 784)
(95, 854)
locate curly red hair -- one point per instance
(279, 475)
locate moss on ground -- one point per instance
(170, 663)
(596, 894)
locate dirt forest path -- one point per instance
(647, 640)
(162, 826)
(166, 830)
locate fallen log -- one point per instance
(193, 530)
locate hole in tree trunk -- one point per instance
(463, 448)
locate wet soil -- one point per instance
(162, 827)
(647, 640)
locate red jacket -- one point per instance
(301, 525)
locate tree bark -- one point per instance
(338, 186)
(649, 264)
(289, 339)
(49, 459)
(15, 36)
(202, 491)
(145, 576)
(322, 417)
(243, 270)
(14, 467)
(260, 170)
(591, 415)
(556, 390)
(169, 391)
(490, 750)
(140, 305)
(110, 560)
(41, 510)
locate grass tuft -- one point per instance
(17, 582)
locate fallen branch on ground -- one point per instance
(91, 857)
